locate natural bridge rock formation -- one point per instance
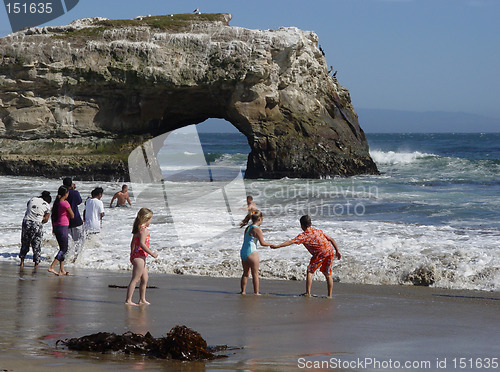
(77, 99)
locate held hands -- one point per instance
(274, 246)
(154, 254)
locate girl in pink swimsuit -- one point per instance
(139, 250)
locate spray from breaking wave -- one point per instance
(391, 157)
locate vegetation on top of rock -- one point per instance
(87, 32)
(172, 23)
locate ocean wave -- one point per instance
(236, 159)
(392, 157)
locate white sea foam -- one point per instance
(374, 252)
(392, 157)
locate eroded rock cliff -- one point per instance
(91, 91)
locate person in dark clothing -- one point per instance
(76, 223)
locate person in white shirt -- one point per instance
(37, 213)
(94, 212)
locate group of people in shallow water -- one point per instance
(322, 247)
(66, 221)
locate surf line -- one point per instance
(471, 297)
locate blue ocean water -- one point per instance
(437, 179)
(435, 206)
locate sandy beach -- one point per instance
(362, 328)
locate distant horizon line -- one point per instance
(414, 111)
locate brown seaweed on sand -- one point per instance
(180, 343)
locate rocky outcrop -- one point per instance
(96, 88)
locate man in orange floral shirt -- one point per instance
(320, 246)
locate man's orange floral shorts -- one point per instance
(324, 263)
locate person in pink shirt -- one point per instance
(61, 214)
(321, 247)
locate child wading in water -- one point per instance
(249, 255)
(139, 250)
(320, 246)
(251, 209)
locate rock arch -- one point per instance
(100, 85)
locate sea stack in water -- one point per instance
(88, 93)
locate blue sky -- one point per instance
(415, 55)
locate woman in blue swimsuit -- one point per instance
(249, 255)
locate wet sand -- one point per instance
(361, 326)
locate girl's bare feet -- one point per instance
(51, 270)
(131, 303)
(144, 302)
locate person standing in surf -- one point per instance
(248, 252)
(251, 208)
(139, 250)
(94, 212)
(61, 214)
(37, 213)
(75, 229)
(121, 197)
(320, 246)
